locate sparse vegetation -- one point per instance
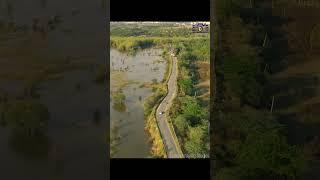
(119, 101)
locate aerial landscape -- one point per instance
(266, 109)
(52, 90)
(159, 90)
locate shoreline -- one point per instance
(155, 143)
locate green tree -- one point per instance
(269, 152)
(181, 125)
(244, 76)
(195, 145)
(192, 110)
(27, 115)
(186, 86)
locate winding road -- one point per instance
(168, 135)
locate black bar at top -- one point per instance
(161, 10)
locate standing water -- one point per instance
(130, 76)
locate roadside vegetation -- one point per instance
(190, 111)
(265, 92)
(191, 125)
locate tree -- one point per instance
(269, 152)
(27, 115)
(192, 110)
(195, 144)
(186, 86)
(181, 125)
(244, 77)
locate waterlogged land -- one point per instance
(131, 82)
(188, 118)
(52, 97)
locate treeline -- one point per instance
(134, 44)
(189, 116)
(134, 37)
(131, 44)
(149, 30)
(249, 142)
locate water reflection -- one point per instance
(129, 75)
(41, 42)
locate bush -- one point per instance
(27, 115)
(181, 125)
(196, 142)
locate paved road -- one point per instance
(172, 149)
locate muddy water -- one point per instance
(146, 66)
(75, 144)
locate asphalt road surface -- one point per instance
(172, 148)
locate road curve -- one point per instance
(172, 148)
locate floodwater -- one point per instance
(72, 136)
(73, 145)
(146, 66)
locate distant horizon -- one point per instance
(158, 22)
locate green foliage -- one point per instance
(194, 49)
(165, 29)
(152, 100)
(254, 143)
(119, 97)
(191, 123)
(186, 86)
(270, 152)
(250, 142)
(196, 142)
(27, 120)
(192, 110)
(119, 101)
(131, 44)
(27, 115)
(243, 75)
(189, 47)
(192, 127)
(181, 125)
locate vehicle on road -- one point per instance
(161, 112)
